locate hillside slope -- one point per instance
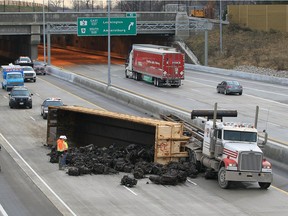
(243, 48)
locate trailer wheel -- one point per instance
(264, 185)
(223, 183)
(126, 75)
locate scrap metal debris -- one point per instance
(134, 159)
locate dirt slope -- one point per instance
(242, 46)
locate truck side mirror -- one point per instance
(261, 144)
(265, 137)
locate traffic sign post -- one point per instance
(98, 26)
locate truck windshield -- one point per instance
(14, 76)
(240, 136)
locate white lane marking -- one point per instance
(3, 212)
(254, 89)
(269, 92)
(37, 94)
(191, 182)
(55, 86)
(32, 118)
(36, 174)
(130, 190)
(268, 100)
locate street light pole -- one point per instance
(44, 34)
(220, 14)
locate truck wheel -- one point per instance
(138, 77)
(209, 174)
(156, 82)
(222, 178)
(193, 159)
(126, 75)
(264, 185)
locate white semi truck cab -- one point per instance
(231, 151)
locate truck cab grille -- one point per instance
(250, 161)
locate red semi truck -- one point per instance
(160, 65)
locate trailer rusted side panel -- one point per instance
(84, 126)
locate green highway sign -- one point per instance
(98, 26)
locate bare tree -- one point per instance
(132, 5)
(54, 5)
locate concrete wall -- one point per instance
(260, 17)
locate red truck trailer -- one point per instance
(160, 65)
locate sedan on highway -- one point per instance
(49, 102)
(229, 87)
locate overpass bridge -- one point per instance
(20, 33)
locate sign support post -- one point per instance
(109, 54)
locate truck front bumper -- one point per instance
(248, 176)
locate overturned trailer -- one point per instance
(84, 126)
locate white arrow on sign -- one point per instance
(131, 24)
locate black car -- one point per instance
(39, 68)
(20, 96)
(229, 87)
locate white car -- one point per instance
(29, 74)
(49, 102)
(24, 61)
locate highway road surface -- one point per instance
(25, 132)
(102, 194)
(197, 92)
